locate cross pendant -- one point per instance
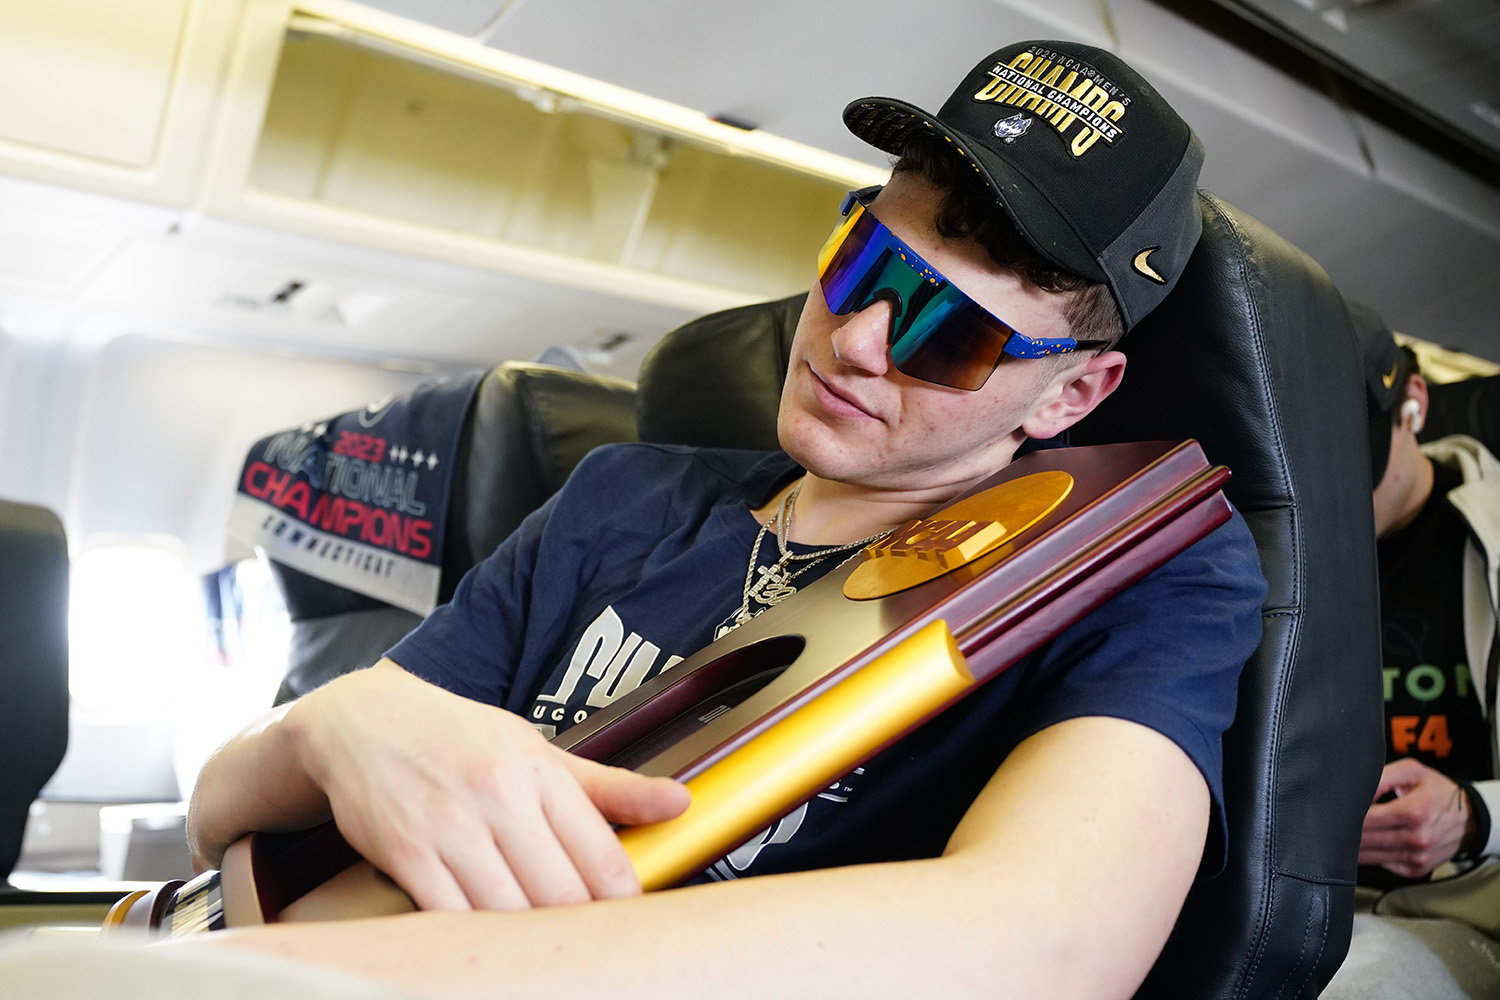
(774, 585)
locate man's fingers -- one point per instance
(538, 846)
(484, 875)
(1381, 845)
(1388, 817)
(429, 882)
(595, 850)
(608, 795)
(625, 797)
(1399, 775)
(509, 823)
(545, 829)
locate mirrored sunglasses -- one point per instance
(937, 334)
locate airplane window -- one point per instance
(153, 643)
(144, 631)
(134, 622)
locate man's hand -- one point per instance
(1422, 825)
(467, 806)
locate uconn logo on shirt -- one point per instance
(607, 662)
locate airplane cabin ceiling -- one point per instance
(1440, 58)
(1398, 222)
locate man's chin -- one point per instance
(814, 446)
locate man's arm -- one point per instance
(463, 804)
(1063, 880)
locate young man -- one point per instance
(1037, 840)
(1437, 519)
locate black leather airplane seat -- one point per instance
(716, 381)
(34, 668)
(34, 708)
(526, 428)
(1253, 355)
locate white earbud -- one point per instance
(1411, 410)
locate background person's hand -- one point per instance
(1420, 825)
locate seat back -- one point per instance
(34, 668)
(526, 428)
(1253, 355)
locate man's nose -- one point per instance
(861, 340)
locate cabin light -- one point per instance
(1323, 6)
(274, 293)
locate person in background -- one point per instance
(1437, 525)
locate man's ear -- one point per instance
(1416, 389)
(1074, 394)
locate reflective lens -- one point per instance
(938, 334)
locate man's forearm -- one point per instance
(899, 930)
(1063, 880)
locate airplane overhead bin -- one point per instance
(346, 122)
(509, 164)
(334, 120)
(116, 97)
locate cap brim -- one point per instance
(887, 124)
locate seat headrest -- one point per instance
(524, 430)
(716, 381)
(528, 426)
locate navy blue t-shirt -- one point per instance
(640, 556)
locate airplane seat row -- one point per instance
(716, 382)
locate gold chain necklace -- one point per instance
(775, 583)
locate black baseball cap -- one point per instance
(1094, 167)
(1387, 366)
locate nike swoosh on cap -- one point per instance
(1144, 268)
